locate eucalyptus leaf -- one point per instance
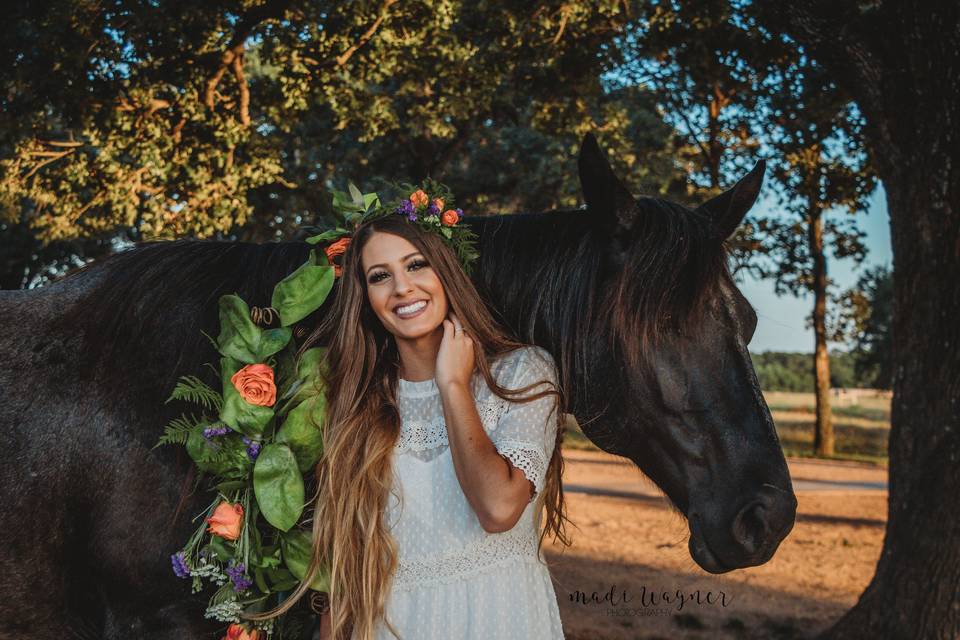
(239, 337)
(356, 194)
(301, 431)
(302, 292)
(327, 236)
(273, 340)
(297, 550)
(278, 486)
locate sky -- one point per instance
(780, 325)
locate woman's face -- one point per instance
(403, 289)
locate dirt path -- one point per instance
(629, 540)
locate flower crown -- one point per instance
(429, 205)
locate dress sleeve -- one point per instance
(526, 433)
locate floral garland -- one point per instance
(259, 438)
(429, 205)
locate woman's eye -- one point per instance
(416, 265)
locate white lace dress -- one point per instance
(455, 580)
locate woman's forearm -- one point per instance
(495, 489)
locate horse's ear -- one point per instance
(728, 209)
(608, 201)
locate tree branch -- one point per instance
(343, 57)
(233, 54)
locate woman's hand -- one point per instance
(455, 360)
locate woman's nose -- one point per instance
(402, 284)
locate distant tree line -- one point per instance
(786, 371)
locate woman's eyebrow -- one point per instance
(401, 260)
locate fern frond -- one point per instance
(193, 389)
(178, 430)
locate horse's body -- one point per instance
(90, 514)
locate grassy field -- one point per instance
(860, 428)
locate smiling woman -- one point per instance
(441, 453)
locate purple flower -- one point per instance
(411, 216)
(253, 447)
(432, 210)
(240, 581)
(459, 214)
(180, 567)
(211, 432)
(406, 208)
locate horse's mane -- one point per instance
(141, 322)
(577, 302)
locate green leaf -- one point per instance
(225, 456)
(260, 580)
(356, 195)
(230, 486)
(278, 486)
(297, 551)
(301, 431)
(308, 366)
(326, 236)
(281, 579)
(193, 389)
(446, 231)
(370, 201)
(220, 547)
(302, 292)
(178, 430)
(240, 415)
(241, 339)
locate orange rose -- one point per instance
(449, 217)
(226, 521)
(438, 203)
(338, 248)
(239, 632)
(419, 198)
(255, 384)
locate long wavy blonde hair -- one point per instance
(362, 425)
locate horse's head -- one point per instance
(689, 411)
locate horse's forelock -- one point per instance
(671, 271)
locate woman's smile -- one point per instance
(411, 310)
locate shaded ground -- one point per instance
(629, 539)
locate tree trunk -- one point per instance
(902, 64)
(823, 431)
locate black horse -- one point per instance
(633, 297)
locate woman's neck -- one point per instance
(418, 356)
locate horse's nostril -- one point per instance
(750, 527)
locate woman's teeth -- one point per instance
(411, 309)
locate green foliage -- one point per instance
(193, 389)
(303, 291)
(301, 431)
(783, 371)
(229, 121)
(296, 546)
(242, 340)
(864, 320)
(278, 485)
(178, 430)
